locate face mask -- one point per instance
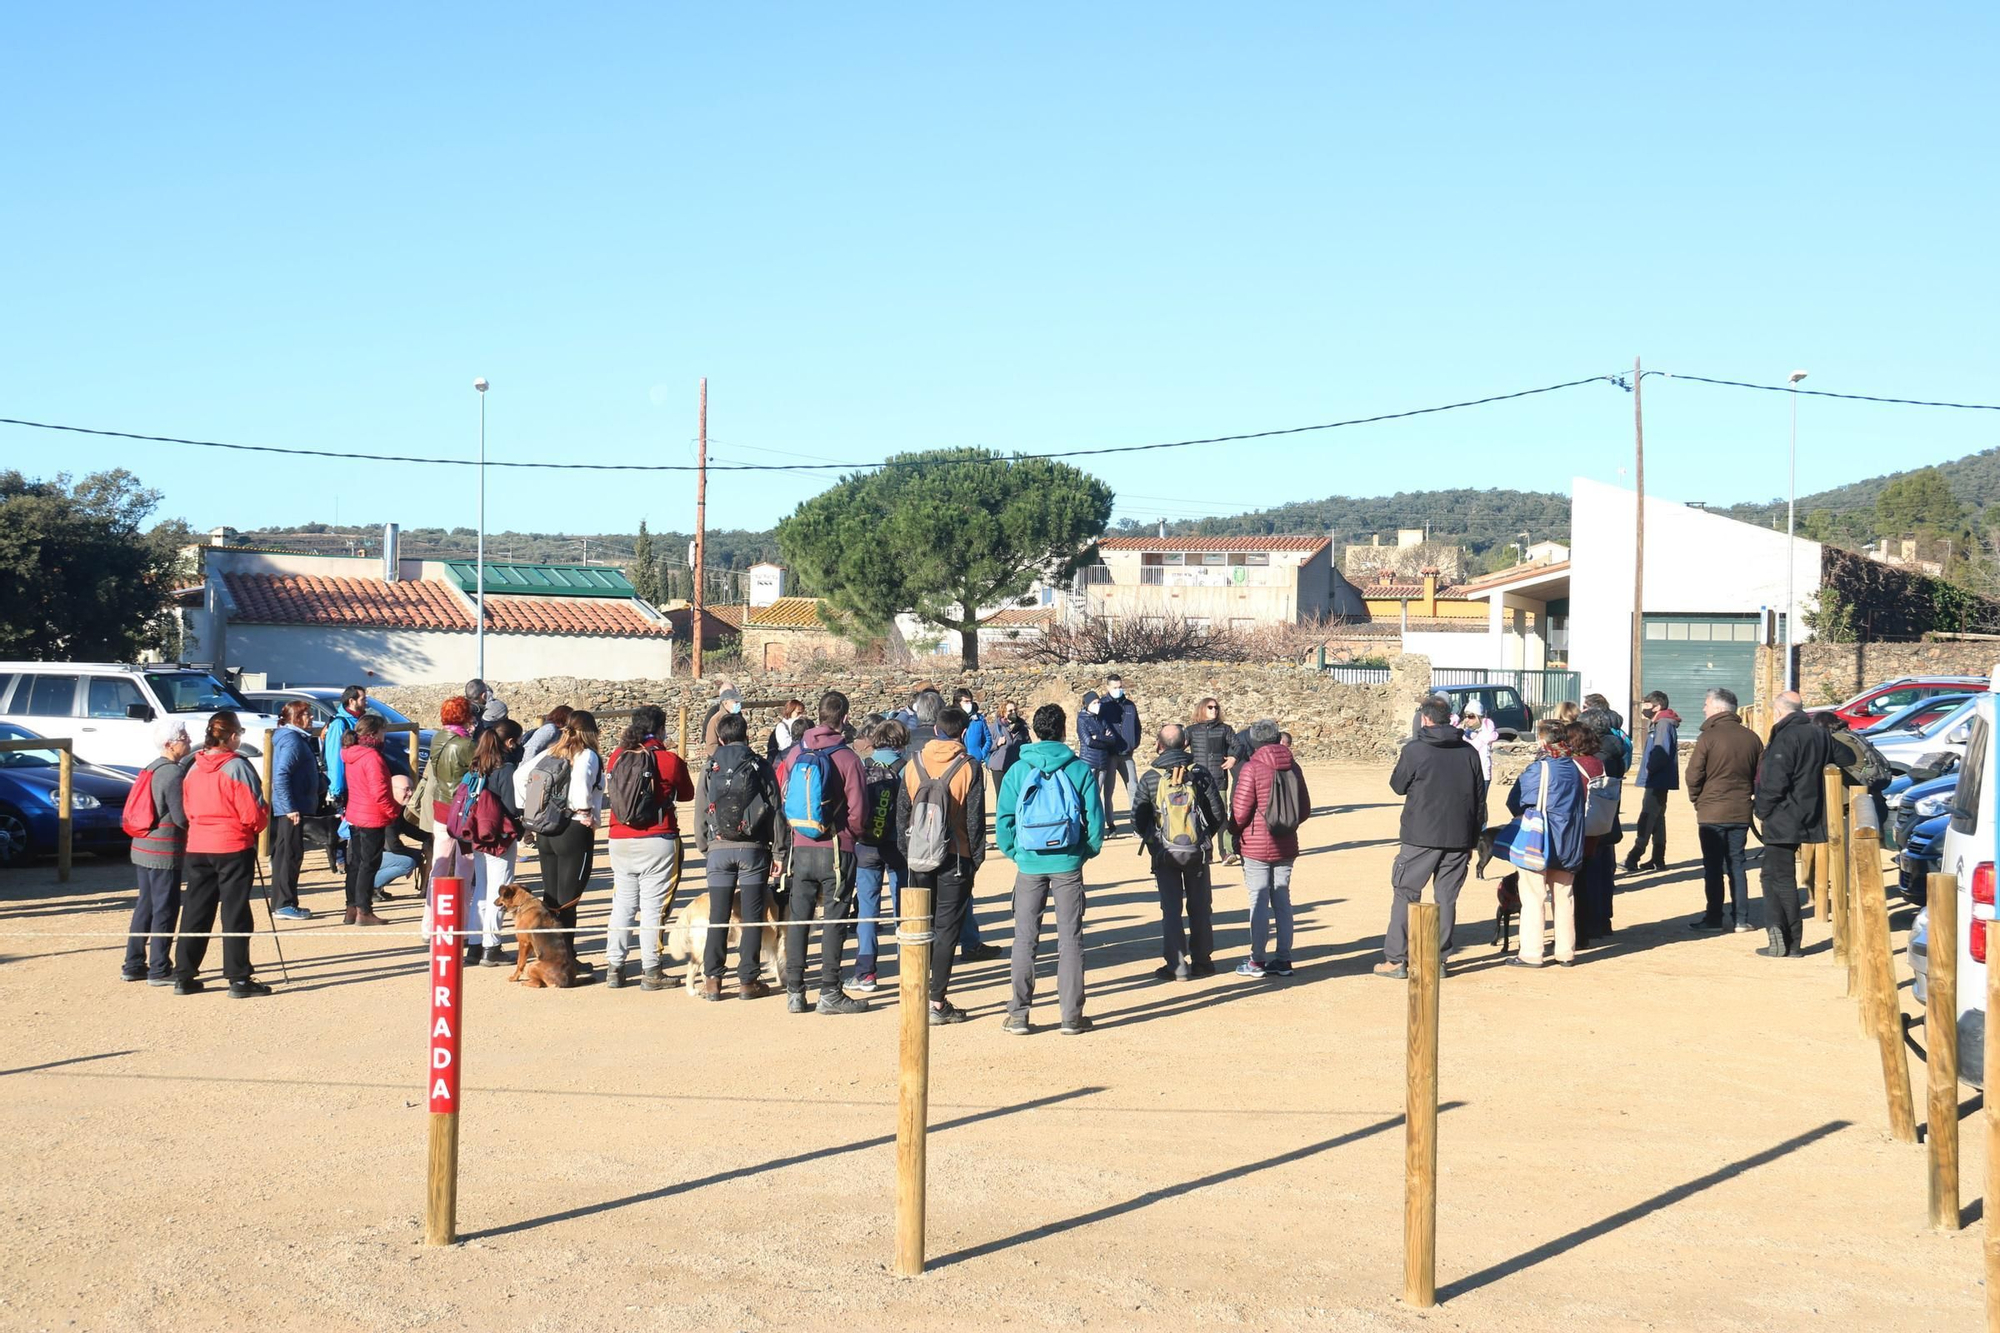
(1093, 707)
(1118, 694)
(735, 707)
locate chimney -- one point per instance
(1431, 593)
(392, 555)
(1163, 527)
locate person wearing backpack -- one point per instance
(562, 804)
(294, 795)
(353, 704)
(1442, 781)
(1552, 791)
(822, 787)
(226, 810)
(645, 779)
(878, 854)
(1049, 822)
(158, 850)
(736, 833)
(490, 837)
(1175, 811)
(941, 829)
(1721, 779)
(1269, 804)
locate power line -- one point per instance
(804, 467)
(1827, 393)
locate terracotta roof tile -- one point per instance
(602, 617)
(1019, 617)
(786, 613)
(730, 613)
(1516, 572)
(1450, 592)
(1212, 543)
(308, 599)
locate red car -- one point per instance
(1872, 705)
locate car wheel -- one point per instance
(1509, 735)
(16, 847)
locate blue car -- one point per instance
(1922, 854)
(1910, 803)
(28, 783)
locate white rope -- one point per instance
(381, 933)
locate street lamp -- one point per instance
(479, 575)
(1792, 542)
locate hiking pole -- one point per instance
(272, 917)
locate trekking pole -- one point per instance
(272, 917)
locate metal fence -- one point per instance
(1353, 675)
(1538, 689)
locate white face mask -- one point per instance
(734, 706)
(1093, 706)
(1118, 692)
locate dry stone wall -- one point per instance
(1831, 673)
(1330, 722)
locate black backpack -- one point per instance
(878, 802)
(1861, 762)
(634, 788)
(1284, 809)
(737, 810)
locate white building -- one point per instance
(767, 583)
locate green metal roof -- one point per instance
(543, 580)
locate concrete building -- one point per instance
(1411, 555)
(1222, 582)
(767, 583)
(792, 632)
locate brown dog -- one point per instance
(538, 933)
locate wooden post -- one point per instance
(65, 774)
(1857, 926)
(441, 1069)
(264, 771)
(1879, 980)
(1420, 1075)
(1836, 861)
(415, 761)
(1941, 1052)
(913, 1077)
(1992, 1237)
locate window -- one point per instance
(1215, 558)
(7, 680)
(1199, 623)
(193, 692)
(1151, 574)
(1971, 777)
(50, 696)
(1256, 558)
(1701, 632)
(1655, 630)
(1677, 631)
(110, 696)
(1173, 558)
(1890, 702)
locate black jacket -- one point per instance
(1146, 800)
(1210, 743)
(1443, 790)
(1791, 784)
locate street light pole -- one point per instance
(479, 575)
(1792, 542)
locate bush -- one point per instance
(1169, 639)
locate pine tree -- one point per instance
(645, 569)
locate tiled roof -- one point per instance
(1019, 617)
(572, 615)
(544, 580)
(786, 613)
(1212, 543)
(310, 599)
(1501, 576)
(730, 613)
(1446, 592)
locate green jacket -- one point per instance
(451, 756)
(1050, 757)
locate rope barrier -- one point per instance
(380, 933)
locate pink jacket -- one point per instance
(1246, 805)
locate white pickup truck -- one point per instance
(107, 710)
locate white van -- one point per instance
(1969, 854)
(106, 710)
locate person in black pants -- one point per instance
(1443, 786)
(566, 856)
(1182, 878)
(822, 868)
(1790, 810)
(945, 760)
(225, 808)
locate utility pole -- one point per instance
(1638, 549)
(700, 525)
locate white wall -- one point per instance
(1447, 648)
(1696, 562)
(311, 655)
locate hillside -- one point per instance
(1974, 479)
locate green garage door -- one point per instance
(1688, 655)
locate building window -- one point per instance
(1149, 557)
(1215, 557)
(1151, 574)
(1173, 558)
(1256, 558)
(1655, 630)
(1198, 623)
(1241, 624)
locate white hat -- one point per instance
(167, 730)
(1473, 708)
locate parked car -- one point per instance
(1916, 716)
(1909, 750)
(1877, 702)
(1969, 842)
(1512, 718)
(325, 700)
(105, 710)
(1920, 956)
(1920, 857)
(29, 783)
(1913, 804)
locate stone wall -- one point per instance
(1830, 673)
(1330, 723)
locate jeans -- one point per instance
(951, 890)
(1107, 781)
(819, 875)
(565, 861)
(868, 884)
(1722, 854)
(1652, 828)
(364, 859)
(734, 871)
(1415, 867)
(158, 906)
(1189, 884)
(217, 878)
(1270, 887)
(1561, 886)
(645, 872)
(288, 853)
(1781, 893)
(1031, 900)
(490, 874)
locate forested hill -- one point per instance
(1974, 481)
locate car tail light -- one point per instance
(1982, 909)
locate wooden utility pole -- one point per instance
(1420, 1109)
(1638, 549)
(913, 1078)
(700, 525)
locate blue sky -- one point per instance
(1036, 227)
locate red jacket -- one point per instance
(1247, 799)
(224, 803)
(847, 765)
(676, 784)
(369, 804)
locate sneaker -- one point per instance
(655, 978)
(754, 990)
(614, 977)
(1081, 1025)
(839, 1002)
(188, 986)
(292, 914)
(243, 990)
(979, 953)
(1518, 961)
(1163, 973)
(160, 981)
(494, 958)
(1392, 971)
(131, 976)
(947, 1012)
(1742, 926)
(1250, 968)
(865, 983)
(795, 1001)
(1016, 1025)
(1707, 923)
(1278, 967)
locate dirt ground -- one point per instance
(1675, 1134)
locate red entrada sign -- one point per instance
(447, 989)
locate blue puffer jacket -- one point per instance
(294, 773)
(1098, 744)
(1660, 759)
(1564, 811)
(978, 738)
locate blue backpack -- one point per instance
(807, 808)
(1048, 815)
